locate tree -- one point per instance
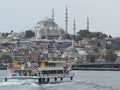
(112, 46)
(101, 35)
(86, 34)
(110, 56)
(5, 34)
(67, 36)
(7, 58)
(90, 58)
(29, 34)
(83, 33)
(110, 36)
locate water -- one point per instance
(83, 80)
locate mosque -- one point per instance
(48, 29)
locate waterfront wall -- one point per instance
(97, 66)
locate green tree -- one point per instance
(112, 46)
(29, 34)
(5, 34)
(86, 34)
(67, 36)
(101, 35)
(110, 36)
(7, 58)
(83, 33)
(110, 56)
(91, 58)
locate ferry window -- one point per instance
(53, 72)
(51, 64)
(44, 72)
(35, 74)
(60, 72)
(49, 72)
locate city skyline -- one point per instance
(24, 14)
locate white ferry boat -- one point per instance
(46, 72)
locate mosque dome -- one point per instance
(47, 19)
(71, 52)
(47, 27)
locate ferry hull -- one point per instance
(21, 79)
(53, 80)
(38, 80)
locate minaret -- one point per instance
(74, 28)
(52, 15)
(66, 20)
(87, 23)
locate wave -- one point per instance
(8, 83)
(17, 84)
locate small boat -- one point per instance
(42, 73)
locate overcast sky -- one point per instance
(21, 15)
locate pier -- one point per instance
(97, 66)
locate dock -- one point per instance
(97, 66)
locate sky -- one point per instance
(22, 15)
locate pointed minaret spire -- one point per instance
(52, 15)
(74, 27)
(66, 20)
(87, 23)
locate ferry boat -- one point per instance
(45, 72)
(22, 72)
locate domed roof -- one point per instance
(48, 28)
(71, 52)
(47, 19)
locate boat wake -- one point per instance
(17, 84)
(27, 84)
